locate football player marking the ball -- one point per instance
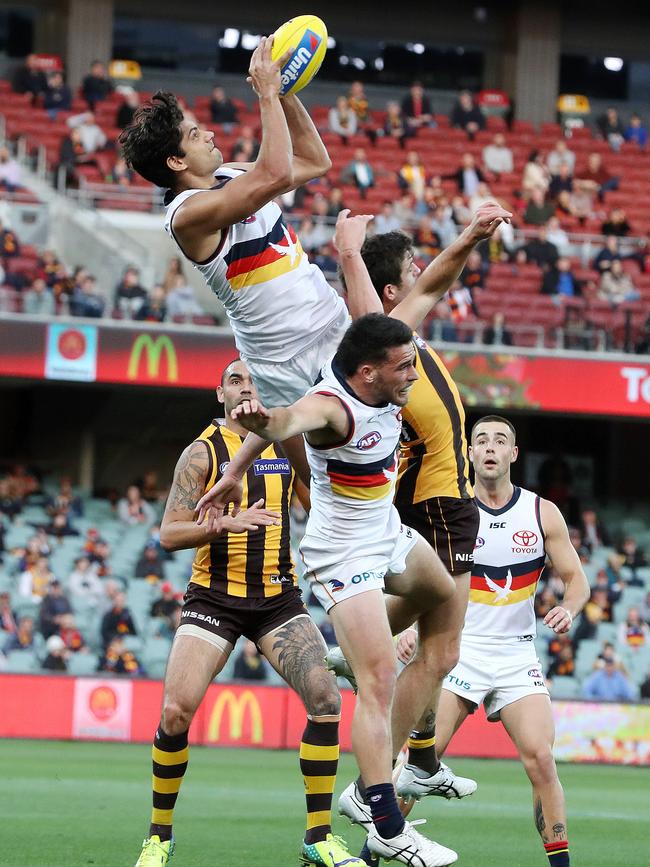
(243, 582)
(518, 531)
(285, 317)
(355, 545)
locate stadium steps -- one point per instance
(22, 662)
(83, 664)
(565, 688)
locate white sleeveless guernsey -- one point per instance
(352, 484)
(277, 302)
(509, 559)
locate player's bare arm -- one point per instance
(310, 157)
(320, 416)
(178, 529)
(349, 236)
(440, 275)
(566, 564)
(199, 221)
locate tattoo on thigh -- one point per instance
(559, 829)
(300, 649)
(540, 824)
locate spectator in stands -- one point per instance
(54, 604)
(10, 172)
(72, 154)
(386, 220)
(616, 224)
(38, 300)
(91, 135)
(608, 254)
(616, 286)
(596, 178)
(118, 660)
(65, 500)
(631, 557)
(496, 334)
(466, 115)
(442, 223)
(8, 621)
(22, 481)
(416, 107)
(335, 203)
(70, 634)
(129, 294)
(412, 176)
(404, 209)
(538, 210)
(468, 176)
(633, 632)
(86, 299)
(564, 663)
(312, 234)
(57, 96)
(342, 120)
(166, 604)
(460, 212)
(9, 245)
(396, 125)
(559, 280)
(608, 684)
(248, 142)
(358, 102)
(481, 196)
(120, 174)
(57, 654)
(154, 308)
(250, 665)
(181, 301)
(561, 156)
(359, 172)
(642, 347)
(222, 109)
(117, 620)
(127, 110)
(133, 509)
(150, 565)
(96, 85)
(636, 131)
(539, 251)
(60, 526)
(594, 532)
(174, 270)
(556, 235)
(426, 240)
(84, 583)
(28, 78)
(561, 182)
(153, 492)
(444, 324)
(461, 303)
(611, 129)
(475, 271)
(23, 637)
(35, 580)
(497, 157)
(545, 602)
(536, 174)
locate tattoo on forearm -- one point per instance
(189, 479)
(540, 824)
(300, 650)
(559, 830)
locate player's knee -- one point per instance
(540, 765)
(438, 661)
(377, 683)
(323, 697)
(176, 717)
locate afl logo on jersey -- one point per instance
(525, 538)
(369, 441)
(250, 219)
(224, 466)
(479, 543)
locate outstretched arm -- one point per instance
(349, 236)
(310, 157)
(566, 563)
(321, 415)
(440, 275)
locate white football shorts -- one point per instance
(496, 673)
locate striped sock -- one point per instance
(170, 754)
(422, 751)
(386, 816)
(558, 853)
(319, 758)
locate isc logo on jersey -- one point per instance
(303, 54)
(525, 541)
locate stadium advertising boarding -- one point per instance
(273, 717)
(187, 357)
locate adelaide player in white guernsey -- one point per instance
(285, 317)
(355, 545)
(498, 664)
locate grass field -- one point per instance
(75, 804)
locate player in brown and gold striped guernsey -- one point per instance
(243, 582)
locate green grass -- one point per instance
(75, 804)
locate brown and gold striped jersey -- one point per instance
(255, 564)
(434, 447)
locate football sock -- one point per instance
(422, 751)
(386, 816)
(170, 755)
(367, 856)
(558, 853)
(319, 757)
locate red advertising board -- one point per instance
(35, 706)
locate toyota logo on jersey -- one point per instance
(526, 538)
